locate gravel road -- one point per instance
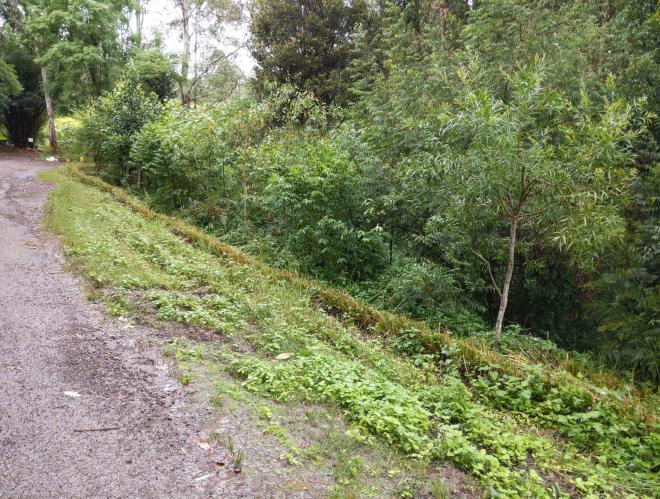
(87, 407)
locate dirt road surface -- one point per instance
(87, 408)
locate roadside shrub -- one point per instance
(181, 157)
(424, 290)
(227, 168)
(112, 124)
(311, 200)
(337, 249)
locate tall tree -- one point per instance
(307, 43)
(75, 43)
(201, 25)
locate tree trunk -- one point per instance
(140, 13)
(504, 298)
(52, 135)
(185, 57)
(244, 176)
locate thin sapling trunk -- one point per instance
(52, 135)
(504, 296)
(185, 56)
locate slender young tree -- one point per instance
(533, 165)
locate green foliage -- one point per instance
(420, 288)
(9, 84)
(301, 189)
(375, 405)
(68, 128)
(155, 72)
(180, 157)
(524, 157)
(112, 124)
(78, 42)
(590, 424)
(627, 301)
(309, 196)
(413, 76)
(307, 44)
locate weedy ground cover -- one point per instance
(522, 427)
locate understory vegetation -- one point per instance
(517, 420)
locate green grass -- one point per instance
(521, 427)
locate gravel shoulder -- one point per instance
(87, 406)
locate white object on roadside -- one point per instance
(204, 477)
(51, 158)
(72, 394)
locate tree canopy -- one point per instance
(307, 43)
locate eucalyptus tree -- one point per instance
(201, 25)
(140, 14)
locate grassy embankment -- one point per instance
(536, 422)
